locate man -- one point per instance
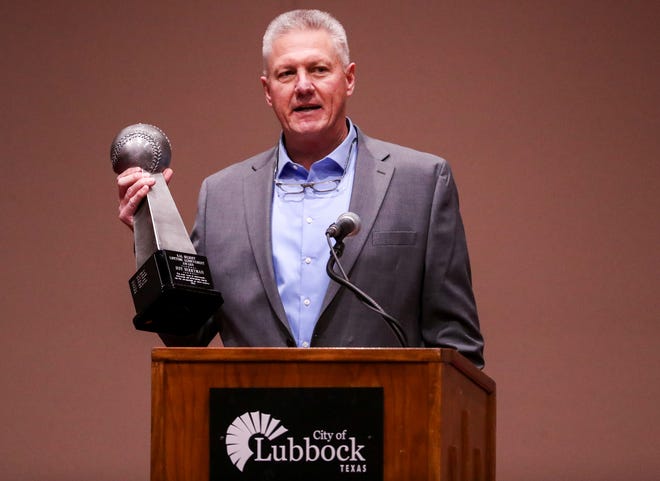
(261, 222)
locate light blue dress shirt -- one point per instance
(299, 222)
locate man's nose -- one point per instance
(304, 83)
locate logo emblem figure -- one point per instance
(241, 431)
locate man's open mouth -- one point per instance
(306, 108)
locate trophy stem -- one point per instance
(157, 224)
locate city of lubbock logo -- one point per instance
(243, 428)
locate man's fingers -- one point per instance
(129, 204)
(138, 185)
(133, 186)
(128, 184)
(167, 174)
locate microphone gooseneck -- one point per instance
(348, 224)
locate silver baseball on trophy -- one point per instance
(172, 288)
(141, 145)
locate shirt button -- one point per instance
(309, 220)
(308, 260)
(307, 302)
(305, 344)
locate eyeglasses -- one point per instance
(295, 189)
(321, 187)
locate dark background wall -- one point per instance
(547, 110)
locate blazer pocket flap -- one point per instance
(394, 238)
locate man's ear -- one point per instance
(264, 84)
(350, 78)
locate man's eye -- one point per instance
(285, 74)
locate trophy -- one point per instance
(172, 289)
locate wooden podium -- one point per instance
(439, 410)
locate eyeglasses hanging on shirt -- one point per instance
(296, 190)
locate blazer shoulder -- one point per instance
(405, 157)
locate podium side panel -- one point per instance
(157, 420)
(468, 428)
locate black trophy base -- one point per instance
(173, 293)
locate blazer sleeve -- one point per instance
(449, 313)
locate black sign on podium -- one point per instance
(320, 434)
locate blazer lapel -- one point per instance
(372, 178)
(257, 198)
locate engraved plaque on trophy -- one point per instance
(172, 289)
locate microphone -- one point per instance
(347, 224)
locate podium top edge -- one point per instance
(322, 354)
(274, 354)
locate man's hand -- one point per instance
(133, 185)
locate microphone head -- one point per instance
(140, 145)
(349, 224)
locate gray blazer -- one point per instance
(410, 256)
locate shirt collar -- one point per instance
(332, 165)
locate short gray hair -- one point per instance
(306, 20)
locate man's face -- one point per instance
(307, 87)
